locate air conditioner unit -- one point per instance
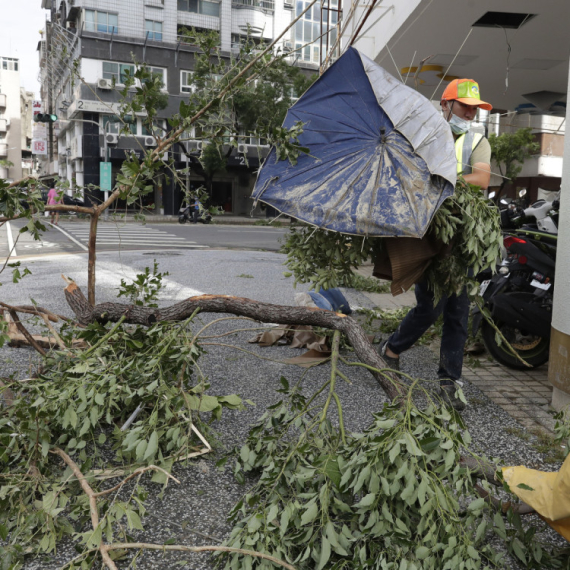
(193, 145)
(242, 148)
(111, 138)
(149, 141)
(104, 83)
(287, 46)
(288, 3)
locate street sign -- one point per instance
(39, 147)
(105, 176)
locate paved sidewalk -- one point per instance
(524, 395)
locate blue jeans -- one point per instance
(455, 309)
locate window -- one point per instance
(186, 81)
(308, 28)
(153, 30)
(117, 71)
(157, 129)
(9, 64)
(103, 22)
(157, 72)
(116, 125)
(190, 85)
(200, 7)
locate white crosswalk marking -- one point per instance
(133, 236)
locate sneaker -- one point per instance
(393, 363)
(448, 393)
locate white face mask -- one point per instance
(459, 126)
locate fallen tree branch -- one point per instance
(504, 506)
(25, 332)
(264, 312)
(104, 549)
(178, 547)
(32, 310)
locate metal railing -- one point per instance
(265, 4)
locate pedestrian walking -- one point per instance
(54, 197)
(460, 102)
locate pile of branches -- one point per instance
(466, 222)
(406, 493)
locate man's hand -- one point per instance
(481, 175)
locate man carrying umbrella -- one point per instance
(459, 103)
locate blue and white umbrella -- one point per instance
(381, 162)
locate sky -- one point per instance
(20, 24)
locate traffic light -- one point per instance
(44, 118)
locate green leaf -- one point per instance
(310, 514)
(95, 537)
(134, 520)
(99, 399)
(518, 550)
(152, 446)
(394, 452)
(140, 450)
(476, 505)
(325, 553)
(422, 552)
(525, 487)
(411, 445)
(366, 501)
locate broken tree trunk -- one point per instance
(263, 312)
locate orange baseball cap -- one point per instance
(465, 91)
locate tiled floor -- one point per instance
(524, 395)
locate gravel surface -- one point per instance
(194, 513)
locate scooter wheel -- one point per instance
(181, 219)
(533, 349)
(207, 220)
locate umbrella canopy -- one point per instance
(382, 159)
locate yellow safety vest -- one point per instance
(464, 147)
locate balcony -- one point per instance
(263, 4)
(2, 101)
(3, 150)
(3, 125)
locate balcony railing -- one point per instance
(2, 101)
(3, 149)
(3, 125)
(265, 4)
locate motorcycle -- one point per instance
(542, 215)
(519, 297)
(187, 215)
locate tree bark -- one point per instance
(264, 312)
(92, 257)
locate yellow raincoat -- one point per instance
(550, 495)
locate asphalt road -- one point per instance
(72, 237)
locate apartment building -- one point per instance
(103, 39)
(10, 120)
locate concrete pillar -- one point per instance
(559, 365)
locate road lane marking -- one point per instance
(69, 236)
(11, 245)
(175, 246)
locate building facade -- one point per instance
(10, 120)
(104, 38)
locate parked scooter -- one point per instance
(519, 298)
(187, 215)
(542, 215)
